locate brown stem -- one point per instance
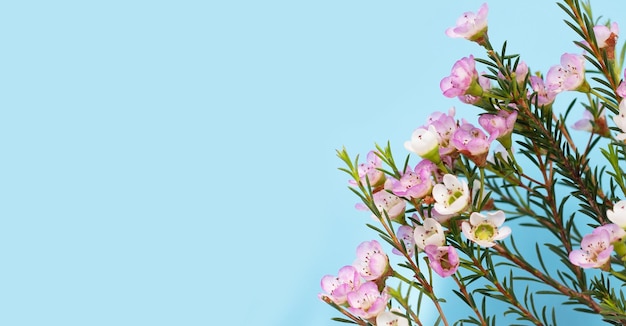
(582, 297)
(357, 320)
(510, 298)
(594, 49)
(469, 300)
(574, 171)
(428, 288)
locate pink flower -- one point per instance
(585, 122)
(371, 262)
(431, 233)
(444, 125)
(521, 71)
(593, 124)
(616, 233)
(472, 142)
(443, 260)
(569, 75)
(545, 96)
(414, 184)
(485, 230)
(405, 234)
(617, 236)
(606, 36)
(621, 89)
(463, 79)
(500, 125)
(470, 26)
(595, 252)
(485, 84)
(386, 201)
(338, 287)
(367, 302)
(370, 170)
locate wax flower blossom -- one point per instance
(425, 143)
(371, 170)
(430, 233)
(388, 318)
(585, 122)
(617, 236)
(371, 262)
(367, 301)
(595, 252)
(616, 233)
(569, 75)
(452, 196)
(606, 37)
(520, 72)
(471, 142)
(471, 26)
(499, 126)
(387, 202)
(545, 96)
(405, 234)
(592, 124)
(445, 125)
(620, 120)
(414, 184)
(485, 230)
(463, 79)
(338, 287)
(485, 84)
(443, 260)
(617, 215)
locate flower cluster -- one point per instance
(360, 286)
(444, 210)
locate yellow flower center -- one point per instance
(485, 231)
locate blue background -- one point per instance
(173, 162)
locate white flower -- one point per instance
(620, 120)
(452, 196)
(484, 230)
(388, 318)
(429, 233)
(425, 143)
(617, 215)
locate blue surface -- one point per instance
(173, 162)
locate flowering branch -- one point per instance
(458, 206)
